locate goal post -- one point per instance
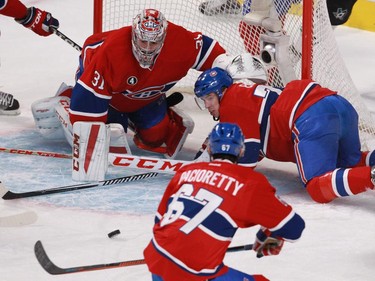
(305, 47)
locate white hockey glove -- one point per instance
(90, 151)
(265, 245)
(46, 121)
(243, 66)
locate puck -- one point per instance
(114, 233)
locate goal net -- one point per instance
(308, 46)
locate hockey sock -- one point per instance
(339, 183)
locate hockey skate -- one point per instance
(8, 104)
(220, 7)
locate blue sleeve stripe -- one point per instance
(91, 90)
(207, 47)
(251, 155)
(290, 228)
(86, 103)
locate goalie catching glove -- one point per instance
(265, 245)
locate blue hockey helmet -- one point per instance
(213, 80)
(226, 138)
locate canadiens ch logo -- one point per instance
(132, 80)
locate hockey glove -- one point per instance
(202, 149)
(41, 22)
(265, 245)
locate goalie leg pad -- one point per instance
(180, 126)
(90, 151)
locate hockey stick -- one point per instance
(20, 219)
(115, 159)
(9, 195)
(67, 39)
(147, 163)
(53, 269)
(34, 152)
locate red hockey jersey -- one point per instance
(112, 75)
(266, 115)
(203, 206)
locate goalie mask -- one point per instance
(148, 34)
(226, 138)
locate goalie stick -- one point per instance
(20, 219)
(115, 159)
(35, 153)
(9, 195)
(53, 269)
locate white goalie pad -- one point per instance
(90, 151)
(46, 121)
(243, 66)
(118, 142)
(62, 113)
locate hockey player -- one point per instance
(33, 18)
(204, 205)
(303, 123)
(124, 75)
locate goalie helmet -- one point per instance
(148, 34)
(213, 80)
(226, 138)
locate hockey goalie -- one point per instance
(123, 78)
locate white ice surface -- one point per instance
(336, 245)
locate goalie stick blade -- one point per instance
(21, 219)
(9, 195)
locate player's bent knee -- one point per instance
(319, 191)
(156, 135)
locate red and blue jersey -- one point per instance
(202, 207)
(266, 116)
(109, 74)
(13, 8)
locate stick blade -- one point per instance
(44, 260)
(3, 190)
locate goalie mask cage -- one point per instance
(311, 51)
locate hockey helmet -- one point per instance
(148, 34)
(213, 80)
(226, 138)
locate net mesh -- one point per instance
(226, 25)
